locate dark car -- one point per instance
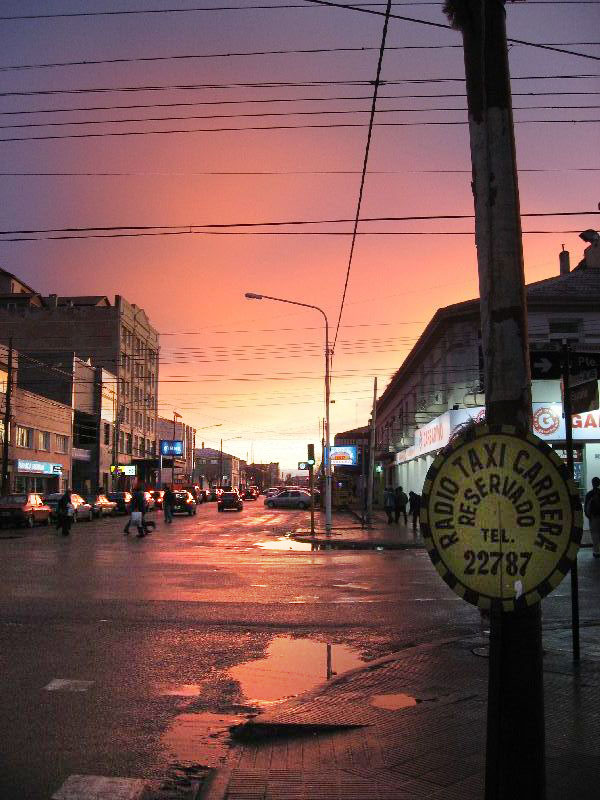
(24, 509)
(230, 501)
(183, 503)
(123, 501)
(251, 493)
(196, 493)
(101, 505)
(83, 509)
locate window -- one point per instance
(24, 436)
(569, 329)
(128, 443)
(106, 433)
(62, 443)
(43, 440)
(1, 431)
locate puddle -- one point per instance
(356, 586)
(284, 543)
(291, 667)
(179, 689)
(353, 600)
(200, 738)
(393, 702)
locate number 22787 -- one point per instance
(486, 562)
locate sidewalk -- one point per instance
(352, 739)
(349, 534)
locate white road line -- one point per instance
(67, 685)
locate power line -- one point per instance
(308, 126)
(252, 53)
(289, 222)
(271, 84)
(262, 101)
(263, 114)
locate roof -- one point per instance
(575, 290)
(12, 275)
(84, 300)
(356, 433)
(210, 452)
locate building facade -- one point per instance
(177, 469)
(117, 337)
(263, 475)
(218, 468)
(439, 388)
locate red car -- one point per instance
(24, 509)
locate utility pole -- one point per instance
(7, 413)
(568, 415)
(370, 474)
(515, 756)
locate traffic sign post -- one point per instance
(501, 518)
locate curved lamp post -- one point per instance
(254, 296)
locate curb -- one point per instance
(330, 543)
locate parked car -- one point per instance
(273, 491)
(289, 498)
(101, 505)
(24, 509)
(83, 509)
(158, 496)
(123, 501)
(230, 501)
(251, 493)
(183, 503)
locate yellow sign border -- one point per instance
(563, 566)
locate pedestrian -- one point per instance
(389, 503)
(592, 512)
(414, 508)
(168, 501)
(400, 501)
(137, 510)
(66, 513)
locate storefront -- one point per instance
(42, 477)
(411, 464)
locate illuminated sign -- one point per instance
(25, 465)
(500, 518)
(124, 469)
(171, 447)
(343, 455)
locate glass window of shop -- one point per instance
(24, 436)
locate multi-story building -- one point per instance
(440, 387)
(262, 475)
(117, 337)
(217, 467)
(91, 391)
(177, 469)
(39, 436)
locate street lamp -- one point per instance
(254, 296)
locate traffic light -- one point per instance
(311, 454)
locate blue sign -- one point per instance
(171, 447)
(343, 455)
(45, 467)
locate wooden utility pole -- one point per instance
(370, 474)
(7, 413)
(515, 757)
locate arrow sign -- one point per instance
(545, 364)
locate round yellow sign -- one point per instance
(500, 517)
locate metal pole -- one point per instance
(327, 435)
(311, 478)
(7, 412)
(370, 474)
(220, 484)
(568, 415)
(173, 454)
(515, 755)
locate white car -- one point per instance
(273, 491)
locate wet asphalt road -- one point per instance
(182, 606)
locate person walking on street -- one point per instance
(400, 501)
(66, 513)
(168, 501)
(389, 504)
(592, 512)
(137, 510)
(414, 508)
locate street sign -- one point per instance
(548, 364)
(500, 517)
(584, 393)
(545, 364)
(304, 465)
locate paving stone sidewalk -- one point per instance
(350, 740)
